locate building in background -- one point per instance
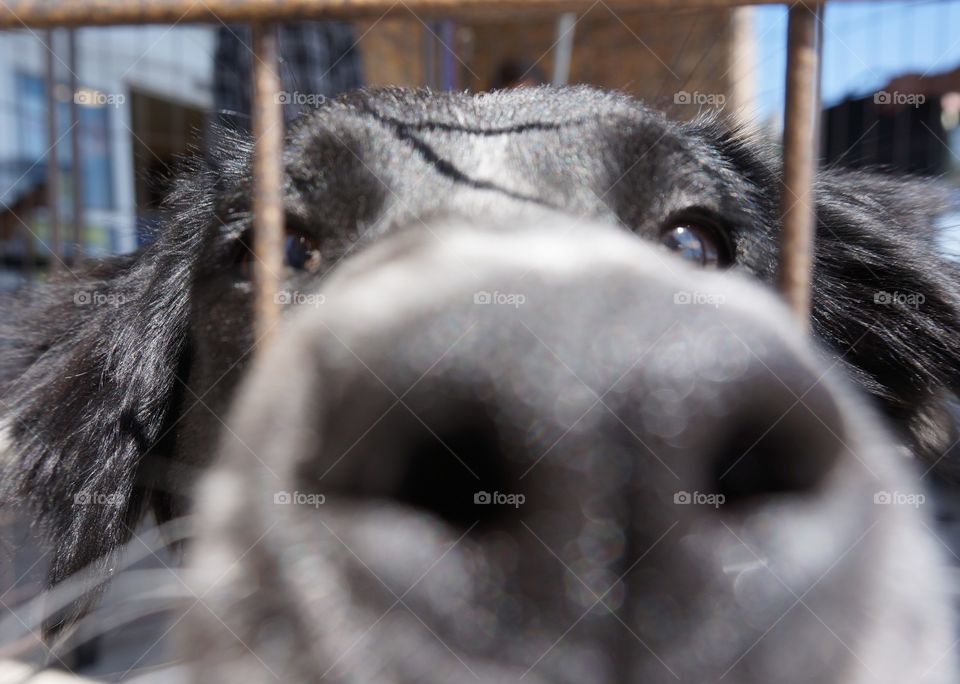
(870, 52)
(865, 133)
(141, 100)
(686, 60)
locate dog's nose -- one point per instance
(461, 414)
(481, 367)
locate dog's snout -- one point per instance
(465, 433)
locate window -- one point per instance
(94, 123)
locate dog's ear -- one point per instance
(887, 299)
(90, 368)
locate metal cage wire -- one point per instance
(800, 116)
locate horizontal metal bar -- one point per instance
(50, 13)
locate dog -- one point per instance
(533, 411)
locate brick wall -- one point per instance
(653, 55)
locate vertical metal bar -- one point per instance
(818, 107)
(741, 66)
(268, 235)
(76, 174)
(563, 48)
(448, 70)
(6, 238)
(53, 168)
(799, 160)
(29, 249)
(429, 55)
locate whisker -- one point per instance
(29, 616)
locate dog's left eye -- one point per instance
(302, 252)
(694, 243)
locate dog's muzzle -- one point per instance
(539, 453)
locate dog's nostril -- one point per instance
(775, 449)
(446, 469)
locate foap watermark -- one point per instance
(498, 499)
(97, 499)
(900, 99)
(682, 97)
(699, 298)
(909, 299)
(299, 499)
(87, 97)
(285, 297)
(94, 298)
(683, 498)
(895, 498)
(513, 299)
(297, 98)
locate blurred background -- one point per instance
(112, 109)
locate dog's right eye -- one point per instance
(301, 252)
(695, 243)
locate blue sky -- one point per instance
(866, 43)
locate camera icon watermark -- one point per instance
(97, 499)
(94, 298)
(895, 498)
(912, 300)
(514, 299)
(284, 498)
(297, 98)
(699, 298)
(684, 498)
(498, 499)
(682, 97)
(288, 297)
(883, 97)
(87, 97)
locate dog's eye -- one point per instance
(302, 252)
(694, 243)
